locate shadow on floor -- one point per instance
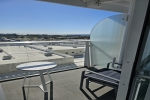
(20, 74)
(110, 95)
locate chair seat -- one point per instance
(108, 72)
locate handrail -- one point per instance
(32, 42)
(51, 51)
(144, 76)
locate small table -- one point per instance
(41, 67)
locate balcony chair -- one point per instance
(105, 76)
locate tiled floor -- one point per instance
(66, 87)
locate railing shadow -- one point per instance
(89, 98)
(110, 95)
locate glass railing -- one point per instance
(67, 55)
(106, 39)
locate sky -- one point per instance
(36, 17)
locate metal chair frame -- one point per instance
(89, 79)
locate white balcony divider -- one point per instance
(106, 40)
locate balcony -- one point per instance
(66, 76)
(72, 57)
(66, 87)
(68, 55)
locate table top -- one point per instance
(36, 66)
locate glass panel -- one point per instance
(141, 84)
(106, 40)
(67, 55)
(140, 88)
(142, 70)
(144, 66)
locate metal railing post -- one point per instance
(87, 55)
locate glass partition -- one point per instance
(107, 39)
(67, 55)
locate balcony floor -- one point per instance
(66, 87)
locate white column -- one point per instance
(137, 14)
